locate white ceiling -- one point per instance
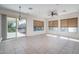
(42, 10)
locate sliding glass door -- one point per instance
(15, 27)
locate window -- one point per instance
(53, 25)
(64, 25)
(72, 24)
(64, 29)
(69, 25)
(72, 29)
(38, 25)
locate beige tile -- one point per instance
(40, 44)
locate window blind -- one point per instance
(38, 23)
(53, 23)
(71, 22)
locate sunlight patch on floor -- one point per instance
(63, 37)
(76, 40)
(50, 35)
(67, 38)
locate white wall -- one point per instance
(29, 18)
(30, 31)
(71, 15)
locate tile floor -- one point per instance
(40, 44)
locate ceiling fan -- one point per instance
(53, 12)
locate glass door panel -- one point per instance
(21, 28)
(11, 27)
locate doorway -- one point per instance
(15, 27)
